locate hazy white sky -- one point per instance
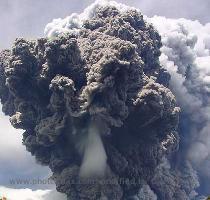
(27, 18)
(15, 161)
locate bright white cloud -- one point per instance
(74, 21)
(186, 55)
(28, 194)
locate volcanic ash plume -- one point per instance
(96, 107)
(186, 55)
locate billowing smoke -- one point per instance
(97, 101)
(186, 56)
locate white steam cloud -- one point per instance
(186, 55)
(28, 194)
(75, 21)
(94, 159)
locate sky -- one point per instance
(27, 18)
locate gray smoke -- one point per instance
(186, 55)
(97, 106)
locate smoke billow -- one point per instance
(95, 98)
(186, 56)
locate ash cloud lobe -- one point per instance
(98, 87)
(185, 54)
